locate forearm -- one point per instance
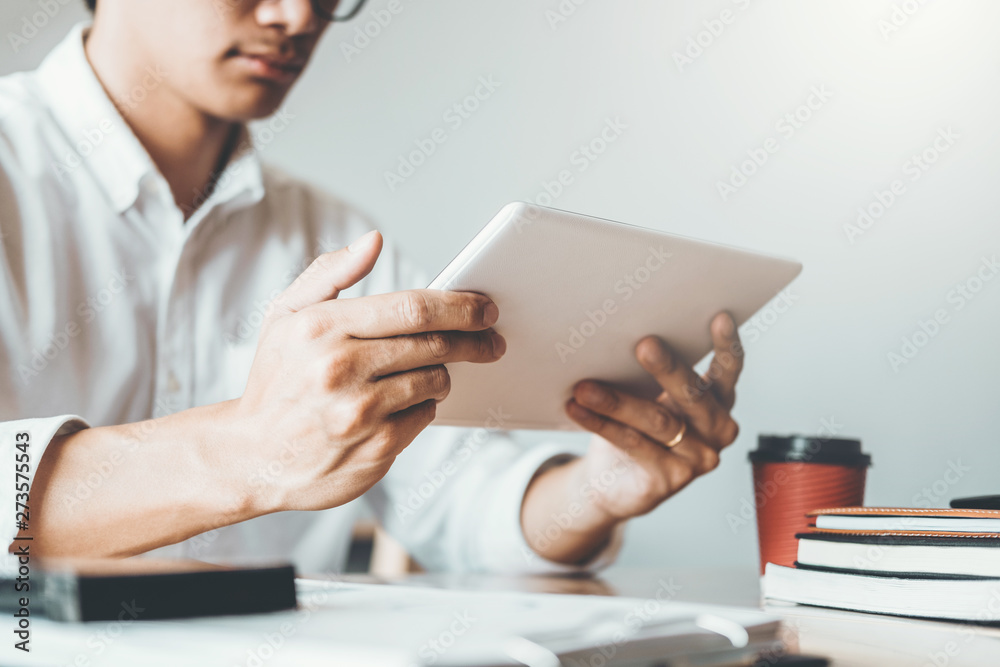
(559, 518)
(123, 490)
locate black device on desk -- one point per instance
(148, 589)
(976, 503)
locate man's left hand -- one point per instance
(643, 451)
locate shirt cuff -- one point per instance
(503, 547)
(22, 445)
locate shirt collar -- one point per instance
(101, 140)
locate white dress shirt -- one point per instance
(114, 309)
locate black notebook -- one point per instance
(903, 554)
(147, 589)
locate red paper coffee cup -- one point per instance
(793, 475)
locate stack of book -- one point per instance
(930, 563)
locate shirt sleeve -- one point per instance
(22, 445)
(453, 499)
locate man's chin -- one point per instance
(252, 103)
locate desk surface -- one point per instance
(849, 639)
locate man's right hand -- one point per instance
(338, 388)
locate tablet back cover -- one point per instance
(575, 296)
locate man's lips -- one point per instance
(269, 66)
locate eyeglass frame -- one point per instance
(332, 17)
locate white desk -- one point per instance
(848, 639)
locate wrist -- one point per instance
(218, 438)
(585, 491)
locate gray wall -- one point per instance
(890, 89)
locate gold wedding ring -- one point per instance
(677, 438)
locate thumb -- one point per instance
(331, 273)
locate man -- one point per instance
(163, 385)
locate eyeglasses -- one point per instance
(337, 10)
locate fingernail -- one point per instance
(491, 314)
(361, 242)
(499, 344)
(649, 354)
(594, 394)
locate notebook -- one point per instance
(953, 598)
(902, 553)
(907, 519)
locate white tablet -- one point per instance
(576, 294)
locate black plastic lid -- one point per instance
(809, 449)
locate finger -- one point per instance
(402, 427)
(727, 362)
(694, 456)
(630, 440)
(412, 312)
(649, 417)
(688, 391)
(330, 274)
(404, 353)
(403, 390)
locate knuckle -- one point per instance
(439, 379)
(364, 408)
(693, 394)
(471, 311)
(337, 370)
(414, 310)
(631, 439)
(709, 460)
(661, 420)
(439, 344)
(483, 346)
(425, 412)
(308, 325)
(729, 431)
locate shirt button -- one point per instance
(173, 384)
